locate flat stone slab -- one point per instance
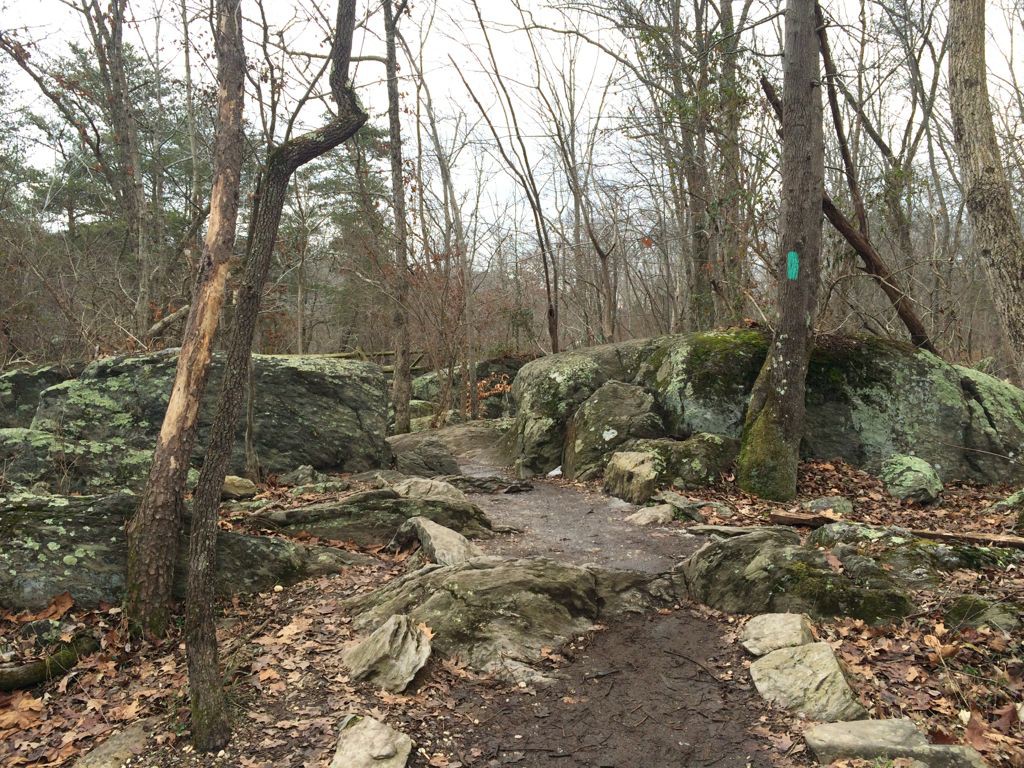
(120, 747)
(368, 743)
(885, 739)
(808, 681)
(772, 631)
(391, 656)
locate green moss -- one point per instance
(829, 594)
(719, 363)
(767, 465)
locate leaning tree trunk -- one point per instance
(271, 190)
(775, 419)
(153, 531)
(401, 391)
(997, 233)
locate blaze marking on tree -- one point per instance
(792, 265)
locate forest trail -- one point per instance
(662, 690)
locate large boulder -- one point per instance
(497, 615)
(645, 466)
(52, 544)
(613, 415)
(20, 390)
(318, 410)
(867, 399)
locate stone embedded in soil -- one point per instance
(368, 743)
(439, 544)
(391, 656)
(428, 488)
(497, 615)
(694, 509)
(372, 518)
(772, 631)
(840, 506)
(769, 571)
(806, 680)
(659, 515)
(885, 740)
(974, 611)
(120, 747)
(911, 478)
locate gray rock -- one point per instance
(769, 571)
(633, 475)
(236, 487)
(427, 488)
(76, 543)
(867, 398)
(303, 475)
(838, 505)
(772, 631)
(131, 741)
(498, 614)
(613, 415)
(885, 740)
(697, 462)
(391, 656)
(422, 455)
(659, 515)
(372, 518)
(973, 611)
(910, 477)
(695, 509)
(368, 743)
(439, 544)
(20, 389)
(806, 680)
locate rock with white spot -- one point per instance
(806, 680)
(772, 631)
(368, 743)
(391, 656)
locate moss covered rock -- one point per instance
(613, 415)
(974, 611)
(497, 615)
(911, 477)
(20, 390)
(49, 544)
(769, 571)
(867, 399)
(696, 462)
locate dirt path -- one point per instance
(644, 692)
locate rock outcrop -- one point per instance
(867, 399)
(98, 430)
(52, 544)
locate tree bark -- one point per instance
(775, 418)
(153, 531)
(268, 203)
(998, 238)
(401, 387)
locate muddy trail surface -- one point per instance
(661, 691)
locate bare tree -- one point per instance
(775, 417)
(998, 238)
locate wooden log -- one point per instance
(15, 675)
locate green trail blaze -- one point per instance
(792, 265)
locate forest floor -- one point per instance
(664, 690)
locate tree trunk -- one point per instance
(775, 419)
(282, 162)
(402, 383)
(998, 237)
(153, 531)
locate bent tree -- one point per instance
(205, 684)
(153, 531)
(996, 230)
(775, 417)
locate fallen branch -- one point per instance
(801, 519)
(15, 675)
